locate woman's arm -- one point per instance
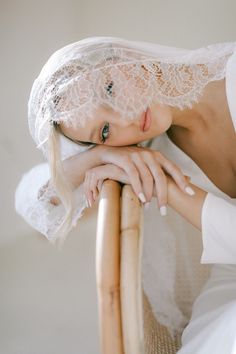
(38, 211)
(143, 167)
(190, 207)
(214, 216)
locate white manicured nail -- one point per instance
(142, 197)
(189, 190)
(163, 210)
(146, 205)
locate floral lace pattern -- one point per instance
(33, 202)
(122, 76)
(126, 76)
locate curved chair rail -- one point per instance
(126, 322)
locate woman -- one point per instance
(147, 115)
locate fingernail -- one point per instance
(147, 205)
(163, 210)
(142, 197)
(87, 203)
(189, 190)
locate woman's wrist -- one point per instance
(189, 206)
(75, 167)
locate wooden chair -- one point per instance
(126, 322)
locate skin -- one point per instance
(122, 132)
(198, 131)
(145, 168)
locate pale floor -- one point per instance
(48, 298)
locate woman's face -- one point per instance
(108, 128)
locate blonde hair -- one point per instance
(61, 185)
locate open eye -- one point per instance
(104, 133)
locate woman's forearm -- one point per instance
(190, 207)
(76, 166)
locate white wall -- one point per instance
(48, 299)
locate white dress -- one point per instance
(213, 313)
(186, 273)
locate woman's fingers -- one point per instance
(175, 172)
(125, 158)
(95, 177)
(87, 188)
(146, 177)
(94, 186)
(122, 158)
(134, 177)
(160, 184)
(144, 169)
(99, 185)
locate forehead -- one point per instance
(98, 91)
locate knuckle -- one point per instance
(133, 171)
(169, 165)
(126, 159)
(147, 154)
(174, 170)
(174, 166)
(158, 173)
(88, 174)
(148, 179)
(151, 155)
(135, 155)
(177, 169)
(158, 154)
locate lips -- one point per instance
(146, 120)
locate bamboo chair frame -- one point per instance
(124, 310)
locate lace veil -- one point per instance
(126, 75)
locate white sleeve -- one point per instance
(38, 211)
(218, 230)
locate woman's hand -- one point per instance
(146, 169)
(95, 177)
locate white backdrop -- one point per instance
(48, 299)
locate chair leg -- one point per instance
(108, 268)
(131, 289)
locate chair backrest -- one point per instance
(130, 274)
(108, 269)
(127, 324)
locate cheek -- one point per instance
(122, 136)
(162, 118)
